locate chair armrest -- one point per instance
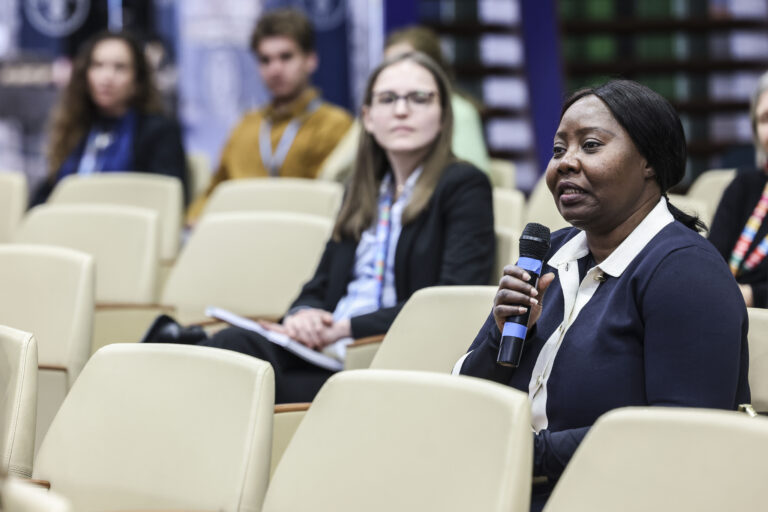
(285, 422)
(53, 367)
(45, 484)
(368, 340)
(216, 321)
(361, 352)
(296, 407)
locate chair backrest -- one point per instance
(408, 441)
(710, 185)
(18, 400)
(13, 202)
(21, 496)
(687, 460)
(758, 357)
(122, 239)
(163, 194)
(435, 328)
(252, 263)
(49, 291)
(153, 426)
(542, 209)
(296, 195)
(200, 174)
(692, 206)
(507, 250)
(509, 209)
(501, 173)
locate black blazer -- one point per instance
(735, 208)
(451, 242)
(157, 148)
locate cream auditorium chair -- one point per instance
(199, 168)
(18, 401)
(163, 194)
(507, 249)
(18, 495)
(710, 185)
(13, 202)
(502, 173)
(252, 263)
(541, 208)
(49, 291)
(163, 427)
(384, 440)
(758, 358)
(509, 209)
(432, 331)
(124, 241)
(296, 195)
(663, 458)
(692, 206)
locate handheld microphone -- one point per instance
(534, 244)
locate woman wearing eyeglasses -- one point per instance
(413, 217)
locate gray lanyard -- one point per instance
(271, 161)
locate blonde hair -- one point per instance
(360, 206)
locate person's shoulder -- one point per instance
(747, 179)
(247, 124)
(460, 171)
(157, 121)
(330, 112)
(253, 116)
(462, 182)
(677, 244)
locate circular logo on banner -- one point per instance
(325, 14)
(57, 18)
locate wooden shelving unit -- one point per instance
(682, 74)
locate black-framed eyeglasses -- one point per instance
(413, 99)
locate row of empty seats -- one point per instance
(315, 197)
(375, 440)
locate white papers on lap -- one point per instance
(289, 344)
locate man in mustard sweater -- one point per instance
(292, 135)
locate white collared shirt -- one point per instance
(577, 294)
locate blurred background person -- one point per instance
(740, 228)
(468, 141)
(110, 117)
(295, 132)
(630, 290)
(412, 217)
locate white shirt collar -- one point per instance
(615, 264)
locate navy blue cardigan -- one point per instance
(670, 331)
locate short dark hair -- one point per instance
(291, 23)
(653, 125)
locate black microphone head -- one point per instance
(534, 242)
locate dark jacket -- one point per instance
(735, 208)
(157, 148)
(451, 242)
